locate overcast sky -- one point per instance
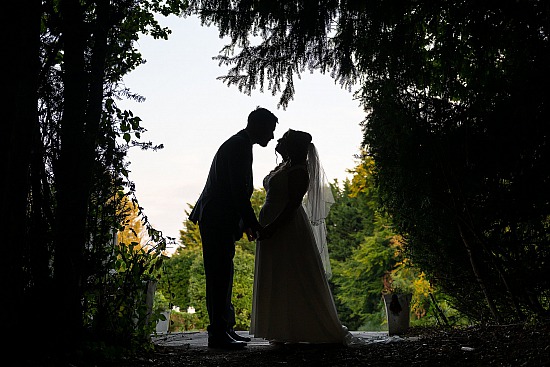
(191, 114)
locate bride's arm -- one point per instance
(298, 182)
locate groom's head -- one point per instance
(261, 125)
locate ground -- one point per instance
(513, 345)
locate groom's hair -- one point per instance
(261, 117)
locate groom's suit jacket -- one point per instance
(225, 198)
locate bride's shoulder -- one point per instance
(298, 172)
(278, 167)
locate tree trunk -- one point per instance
(474, 262)
(21, 36)
(71, 180)
(83, 96)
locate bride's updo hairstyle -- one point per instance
(297, 144)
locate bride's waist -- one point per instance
(270, 205)
(270, 210)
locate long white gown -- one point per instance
(292, 301)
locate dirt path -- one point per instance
(476, 346)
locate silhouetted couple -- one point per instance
(292, 301)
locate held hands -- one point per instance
(260, 234)
(251, 235)
(254, 233)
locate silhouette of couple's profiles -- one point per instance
(223, 212)
(292, 301)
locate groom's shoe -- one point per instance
(237, 337)
(224, 341)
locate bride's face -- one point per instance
(281, 147)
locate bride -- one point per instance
(292, 301)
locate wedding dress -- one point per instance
(292, 301)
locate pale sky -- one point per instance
(192, 114)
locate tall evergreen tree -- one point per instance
(359, 240)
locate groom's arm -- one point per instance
(240, 178)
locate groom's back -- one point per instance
(229, 179)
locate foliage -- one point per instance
(349, 220)
(359, 279)
(183, 321)
(456, 121)
(368, 258)
(242, 288)
(160, 302)
(457, 113)
(452, 172)
(197, 292)
(133, 228)
(123, 307)
(176, 275)
(71, 172)
(406, 278)
(119, 313)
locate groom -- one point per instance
(223, 213)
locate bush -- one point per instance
(183, 321)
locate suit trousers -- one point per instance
(218, 251)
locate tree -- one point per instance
(178, 269)
(360, 279)
(452, 170)
(456, 119)
(348, 221)
(369, 257)
(352, 216)
(64, 160)
(89, 50)
(360, 246)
